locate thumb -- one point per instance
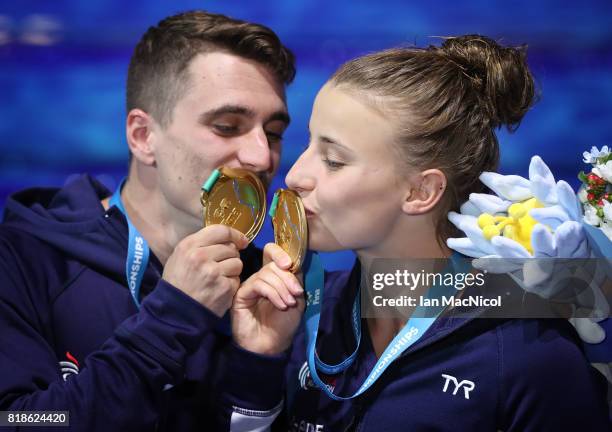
(273, 252)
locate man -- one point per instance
(203, 90)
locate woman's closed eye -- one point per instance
(333, 165)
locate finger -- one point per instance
(264, 290)
(231, 267)
(273, 252)
(288, 278)
(218, 252)
(217, 234)
(276, 282)
(234, 284)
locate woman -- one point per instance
(397, 140)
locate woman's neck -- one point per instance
(382, 331)
(412, 252)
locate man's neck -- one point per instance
(144, 211)
(161, 225)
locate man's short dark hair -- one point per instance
(157, 76)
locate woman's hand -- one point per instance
(268, 307)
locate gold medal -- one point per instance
(234, 197)
(290, 227)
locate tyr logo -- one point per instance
(467, 385)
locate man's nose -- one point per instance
(254, 151)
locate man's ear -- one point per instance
(139, 134)
(427, 188)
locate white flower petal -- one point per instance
(596, 171)
(571, 241)
(605, 171)
(542, 181)
(509, 248)
(568, 200)
(488, 203)
(497, 265)
(510, 187)
(582, 194)
(607, 210)
(592, 156)
(469, 225)
(543, 190)
(464, 246)
(468, 208)
(474, 233)
(543, 242)
(590, 215)
(607, 230)
(536, 274)
(458, 219)
(552, 216)
(589, 331)
(588, 158)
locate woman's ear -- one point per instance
(139, 134)
(427, 188)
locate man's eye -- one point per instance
(225, 129)
(274, 137)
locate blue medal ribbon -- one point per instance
(138, 250)
(410, 333)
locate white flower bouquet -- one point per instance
(541, 218)
(596, 191)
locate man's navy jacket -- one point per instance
(72, 338)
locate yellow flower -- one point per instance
(517, 226)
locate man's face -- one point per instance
(233, 114)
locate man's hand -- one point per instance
(268, 307)
(206, 266)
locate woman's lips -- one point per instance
(309, 213)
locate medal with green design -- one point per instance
(234, 197)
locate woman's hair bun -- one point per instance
(499, 74)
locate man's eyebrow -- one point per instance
(244, 111)
(279, 116)
(227, 109)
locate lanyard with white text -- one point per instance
(410, 333)
(137, 253)
(356, 317)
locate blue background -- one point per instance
(63, 66)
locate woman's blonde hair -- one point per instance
(447, 102)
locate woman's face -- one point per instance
(347, 177)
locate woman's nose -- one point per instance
(300, 177)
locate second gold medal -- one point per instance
(290, 227)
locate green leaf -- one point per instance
(604, 159)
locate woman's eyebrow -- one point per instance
(334, 143)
